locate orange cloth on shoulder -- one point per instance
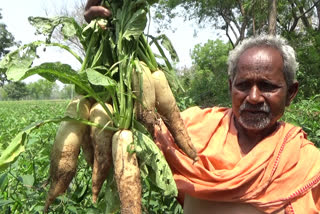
(283, 170)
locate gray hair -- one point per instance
(290, 65)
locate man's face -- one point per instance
(259, 90)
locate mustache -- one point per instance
(263, 107)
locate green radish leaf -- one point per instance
(63, 73)
(151, 2)
(6, 202)
(81, 194)
(69, 29)
(19, 62)
(166, 43)
(163, 55)
(111, 196)
(72, 209)
(16, 63)
(46, 26)
(96, 78)
(92, 31)
(17, 144)
(87, 32)
(27, 180)
(37, 209)
(11, 153)
(159, 171)
(167, 68)
(52, 71)
(3, 181)
(135, 25)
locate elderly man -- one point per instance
(249, 161)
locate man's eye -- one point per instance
(243, 86)
(268, 87)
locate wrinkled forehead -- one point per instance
(261, 51)
(258, 62)
(260, 58)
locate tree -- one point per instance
(211, 56)
(207, 81)
(3, 94)
(272, 17)
(241, 18)
(296, 20)
(6, 41)
(77, 13)
(307, 46)
(67, 92)
(16, 90)
(231, 16)
(300, 25)
(41, 89)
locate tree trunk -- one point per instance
(272, 17)
(303, 17)
(318, 12)
(244, 23)
(253, 25)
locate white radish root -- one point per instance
(87, 147)
(66, 148)
(126, 172)
(101, 140)
(170, 113)
(146, 98)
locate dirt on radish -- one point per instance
(66, 148)
(170, 114)
(143, 88)
(87, 147)
(126, 172)
(101, 140)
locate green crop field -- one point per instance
(22, 186)
(15, 115)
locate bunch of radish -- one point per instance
(123, 86)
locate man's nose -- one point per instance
(255, 95)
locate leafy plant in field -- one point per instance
(114, 49)
(14, 116)
(22, 184)
(16, 90)
(307, 46)
(206, 82)
(306, 113)
(6, 41)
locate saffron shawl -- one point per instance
(281, 171)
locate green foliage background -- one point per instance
(206, 83)
(306, 114)
(6, 41)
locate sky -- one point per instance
(15, 16)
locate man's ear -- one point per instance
(292, 92)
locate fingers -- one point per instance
(93, 11)
(92, 3)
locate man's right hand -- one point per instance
(94, 9)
